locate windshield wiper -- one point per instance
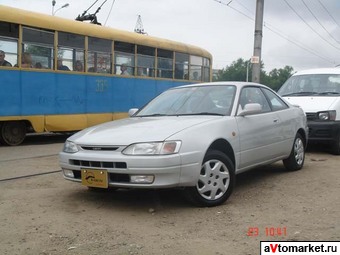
(302, 93)
(152, 115)
(201, 113)
(329, 93)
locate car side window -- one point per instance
(276, 102)
(253, 95)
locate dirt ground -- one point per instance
(45, 214)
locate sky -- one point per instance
(299, 33)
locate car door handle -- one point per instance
(276, 120)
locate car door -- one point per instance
(259, 133)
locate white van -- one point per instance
(317, 92)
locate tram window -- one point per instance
(78, 65)
(65, 59)
(124, 58)
(9, 34)
(181, 66)
(145, 61)
(71, 48)
(206, 69)
(71, 40)
(99, 55)
(69, 58)
(10, 49)
(196, 68)
(122, 61)
(39, 44)
(9, 30)
(164, 63)
(124, 47)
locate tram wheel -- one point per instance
(12, 132)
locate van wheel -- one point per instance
(296, 158)
(336, 145)
(216, 180)
(12, 132)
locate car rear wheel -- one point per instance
(216, 180)
(296, 158)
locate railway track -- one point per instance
(29, 175)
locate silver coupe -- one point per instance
(194, 137)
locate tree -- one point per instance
(279, 76)
(237, 71)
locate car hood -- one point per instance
(134, 130)
(312, 104)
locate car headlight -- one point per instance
(327, 115)
(70, 147)
(153, 148)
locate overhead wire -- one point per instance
(297, 44)
(109, 12)
(280, 34)
(245, 7)
(316, 18)
(324, 7)
(228, 4)
(291, 7)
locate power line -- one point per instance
(280, 34)
(324, 7)
(228, 4)
(109, 12)
(297, 44)
(316, 18)
(310, 25)
(245, 7)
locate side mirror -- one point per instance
(132, 111)
(252, 108)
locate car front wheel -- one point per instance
(296, 158)
(216, 180)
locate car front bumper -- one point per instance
(323, 131)
(168, 170)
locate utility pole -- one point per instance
(256, 59)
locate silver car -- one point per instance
(196, 137)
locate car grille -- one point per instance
(100, 148)
(311, 116)
(98, 164)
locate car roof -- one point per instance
(333, 70)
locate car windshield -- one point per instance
(311, 85)
(193, 100)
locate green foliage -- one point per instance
(38, 50)
(237, 71)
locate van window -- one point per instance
(316, 84)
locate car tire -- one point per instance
(336, 145)
(216, 180)
(296, 158)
